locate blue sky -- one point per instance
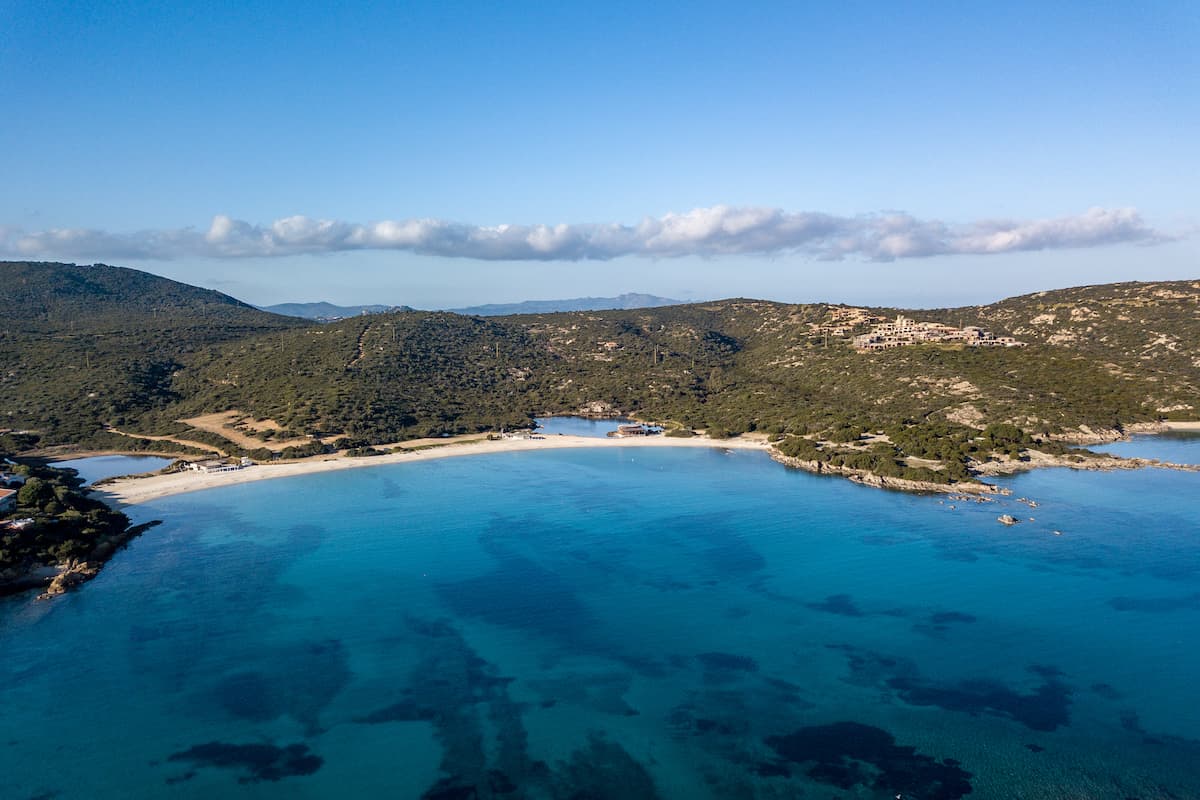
(914, 154)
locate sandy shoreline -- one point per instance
(132, 491)
(136, 490)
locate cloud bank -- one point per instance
(716, 231)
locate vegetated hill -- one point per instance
(1146, 327)
(84, 346)
(328, 312)
(624, 302)
(728, 367)
(378, 378)
(735, 365)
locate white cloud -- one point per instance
(715, 231)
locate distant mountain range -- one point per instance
(328, 312)
(622, 302)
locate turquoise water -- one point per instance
(95, 468)
(1176, 447)
(621, 623)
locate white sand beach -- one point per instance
(131, 491)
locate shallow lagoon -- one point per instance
(622, 623)
(96, 468)
(579, 426)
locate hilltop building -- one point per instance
(906, 331)
(844, 319)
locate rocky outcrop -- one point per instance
(883, 482)
(1090, 461)
(58, 579)
(1088, 435)
(73, 573)
(1007, 519)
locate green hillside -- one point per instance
(1142, 327)
(81, 347)
(86, 347)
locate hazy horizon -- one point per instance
(634, 291)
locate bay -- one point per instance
(652, 622)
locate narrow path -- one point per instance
(222, 425)
(362, 347)
(185, 442)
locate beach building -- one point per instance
(8, 499)
(633, 429)
(219, 465)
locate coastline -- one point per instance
(135, 490)
(130, 491)
(868, 478)
(1166, 426)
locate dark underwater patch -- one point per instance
(256, 762)
(722, 547)
(1157, 605)
(604, 770)
(1186, 751)
(727, 661)
(1107, 691)
(1046, 670)
(302, 680)
(684, 721)
(466, 701)
(1044, 709)
(939, 623)
(404, 711)
(869, 668)
(603, 692)
(850, 754)
(518, 593)
(248, 695)
(841, 604)
(448, 789)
